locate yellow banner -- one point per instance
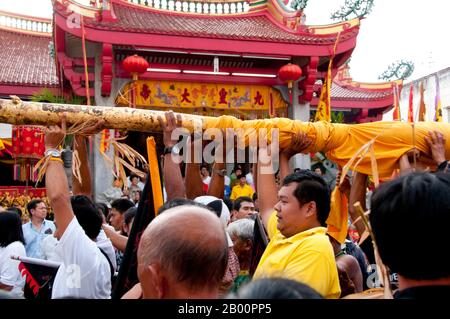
(201, 95)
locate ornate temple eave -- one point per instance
(259, 33)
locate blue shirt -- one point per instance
(33, 237)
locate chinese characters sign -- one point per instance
(202, 95)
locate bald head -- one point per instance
(189, 242)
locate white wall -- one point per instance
(429, 84)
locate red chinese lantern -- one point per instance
(290, 73)
(136, 65)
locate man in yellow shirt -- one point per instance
(242, 189)
(299, 248)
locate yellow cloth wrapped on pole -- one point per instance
(153, 172)
(340, 142)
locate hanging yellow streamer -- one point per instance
(153, 171)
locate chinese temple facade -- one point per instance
(204, 57)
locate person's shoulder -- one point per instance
(317, 239)
(16, 247)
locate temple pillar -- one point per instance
(299, 111)
(101, 170)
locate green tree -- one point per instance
(353, 9)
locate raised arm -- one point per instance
(299, 143)
(267, 186)
(172, 172)
(56, 180)
(193, 180)
(217, 185)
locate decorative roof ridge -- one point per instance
(127, 3)
(327, 29)
(367, 86)
(24, 24)
(71, 5)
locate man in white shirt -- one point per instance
(85, 271)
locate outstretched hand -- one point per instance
(54, 134)
(169, 126)
(436, 142)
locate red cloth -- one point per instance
(28, 141)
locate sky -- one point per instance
(414, 30)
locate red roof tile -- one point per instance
(340, 92)
(25, 60)
(224, 27)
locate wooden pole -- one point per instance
(18, 112)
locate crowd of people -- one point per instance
(202, 243)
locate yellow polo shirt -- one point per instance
(239, 191)
(306, 257)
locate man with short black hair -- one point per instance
(299, 248)
(37, 228)
(402, 210)
(118, 208)
(243, 207)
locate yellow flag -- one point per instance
(422, 107)
(438, 102)
(323, 112)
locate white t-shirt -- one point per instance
(84, 272)
(9, 268)
(106, 245)
(206, 180)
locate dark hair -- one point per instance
(129, 215)
(104, 208)
(275, 288)
(237, 203)
(319, 166)
(311, 188)
(10, 229)
(32, 204)
(15, 210)
(229, 203)
(132, 175)
(122, 205)
(255, 196)
(87, 215)
(400, 209)
(240, 176)
(204, 166)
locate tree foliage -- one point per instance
(299, 5)
(353, 9)
(401, 69)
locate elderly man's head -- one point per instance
(182, 254)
